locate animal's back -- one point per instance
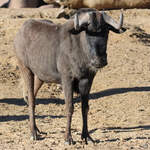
(36, 45)
(23, 3)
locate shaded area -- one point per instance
(21, 102)
(127, 129)
(25, 117)
(141, 36)
(14, 101)
(123, 129)
(115, 91)
(93, 96)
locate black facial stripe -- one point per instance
(95, 22)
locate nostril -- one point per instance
(104, 58)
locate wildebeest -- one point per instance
(105, 4)
(23, 3)
(4, 3)
(69, 54)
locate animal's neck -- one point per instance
(69, 25)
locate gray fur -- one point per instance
(22, 3)
(49, 52)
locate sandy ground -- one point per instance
(119, 116)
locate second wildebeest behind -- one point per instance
(22, 3)
(69, 54)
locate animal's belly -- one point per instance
(43, 63)
(52, 77)
(46, 74)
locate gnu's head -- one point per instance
(94, 21)
(96, 24)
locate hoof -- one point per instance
(26, 100)
(87, 139)
(34, 135)
(69, 142)
(33, 138)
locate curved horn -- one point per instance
(112, 22)
(76, 22)
(80, 20)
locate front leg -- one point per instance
(85, 108)
(84, 88)
(68, 93)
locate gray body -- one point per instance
(44, 49)
(50, 50)
(69, 54)
(4, 3)
(23, 3)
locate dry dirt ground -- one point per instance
(119, 116)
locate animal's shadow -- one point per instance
(93, 96)
(115, 91)
(127, 129)
(114, 130)
(21, 102)
(141, 36)
(58, 102)
(6, 118)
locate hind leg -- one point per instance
(28, 79)
(37, 85)
(25, 91)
